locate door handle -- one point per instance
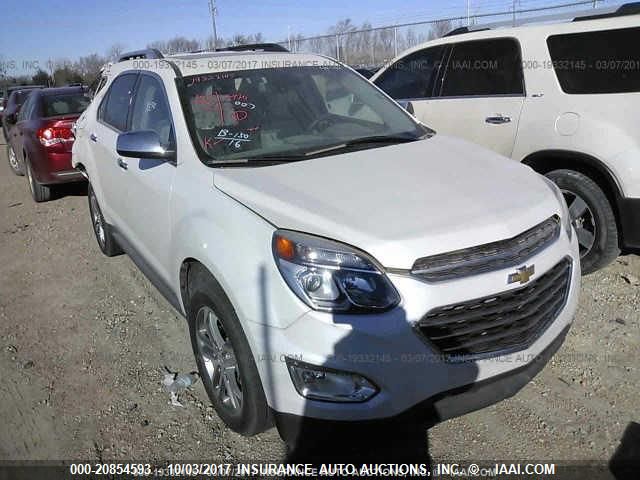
(122, 164)
(497, 120)
(93, 137)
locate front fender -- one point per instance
(234, 244)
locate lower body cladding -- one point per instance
(66, 176)
(629, 211)
(388, 365)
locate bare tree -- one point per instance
(158, 45)
(181, 45)
(239, 39)
(89, 67)
(3, 67)
(440, 29)
(114, 52)
(256, 38)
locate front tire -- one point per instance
(225, 362)
(16, 165)
(39, 192)
(102, 230)
(592, 217)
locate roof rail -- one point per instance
(146, 53)
(263, 47)
(461, 30)
(626, 9)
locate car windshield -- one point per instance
(290, 111)
(65, 104)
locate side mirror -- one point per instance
(11, 118)
(143, 144)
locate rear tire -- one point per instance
(102, 230)
(16, 165)
(39, 192)
(592, 217)
(223, 355)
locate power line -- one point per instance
(508, 11)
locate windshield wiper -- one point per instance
(385, 139)
(283, 157)
(366, 140)
(262, 160)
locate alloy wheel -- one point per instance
(96, 220)
(13, 159)
(219, 360)
(583, 221)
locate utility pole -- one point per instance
(468, 11)
(214, 12)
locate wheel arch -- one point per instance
(545, 161)
(183, 277)
(186, 267)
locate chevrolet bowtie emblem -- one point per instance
(522, 275)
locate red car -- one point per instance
(40, 142)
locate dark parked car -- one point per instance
(12, 105)
(366, 72)
(40, 142)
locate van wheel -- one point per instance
(39, 192)
(223, 356)
(592, 217)
(107, 243)
(16, 165)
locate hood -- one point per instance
(399, 202)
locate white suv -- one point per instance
(563, 98)
(334, 259)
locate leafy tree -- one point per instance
(41, 78)
(66, 75)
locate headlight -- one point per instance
(566, 216)
(332, 276)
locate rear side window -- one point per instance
(412, 76)
(26, 112)
(607, 61)
(151, 110)
(68, 104)
(484, 68)
(115, 105)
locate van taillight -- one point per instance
(55, 134)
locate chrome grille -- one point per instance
(505, 322)
(490, 256)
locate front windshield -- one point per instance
(289, 111)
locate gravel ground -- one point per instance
(84, 341)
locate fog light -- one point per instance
(320, 383)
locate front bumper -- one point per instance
(385, 349)
(440, 407)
